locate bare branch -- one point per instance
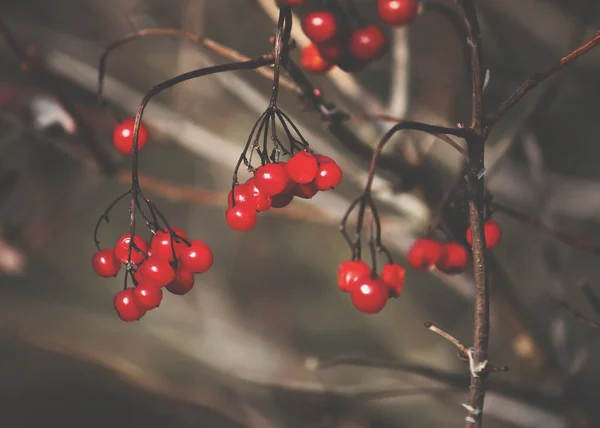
(584, 319)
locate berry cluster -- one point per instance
(336, 41)
(276, 182)
(123, 136)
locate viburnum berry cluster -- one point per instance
(340, 35)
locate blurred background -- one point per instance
(243, 348)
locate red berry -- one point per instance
(242, 217)
(242, 194)
(305, 191)
(183, 282)
(369, 295)
(331, 52)
(311, 60)
(393, 276)
(125, 306)
(323, 159)
(157, 271)
(105, 263)
(147, 296)
(320, 26)
(349, 271)
(196, 258)
(160, 245)
(367, 43)
(282, 200)
(123, 136)
(398, 12)
(122, 249)
(329, 176)
(260, 201)
(492, 232)
(425, 253)
(271, 178)
(455, 258)
(302, 167)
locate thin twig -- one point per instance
(578, 315)
(462, 348)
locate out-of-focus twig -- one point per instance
(578, 315)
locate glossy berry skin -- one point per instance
(183, 282)
(197, 258)
(122, 249)
(302, 167)
(425, 254)
(123, 136)
(125, 306)
(369, 295)
(157, 271)
(282, 200)
(160, 245)
(320, 26)
(312, 61)
(349, 271)
(329, 175)
(305, 191)
(492, 231)
(398, 12)
(242, 217)
(242, 195)
(455, 258)
(105, 263)
(367, 43)
(259, 201)
(147, 296)
(323, 159)
(393, 276)
(271, 178)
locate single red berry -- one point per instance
(282, 200)
(329, 175)
(161, 246)
(367, 43)
(157, 271)
(398, 12)
(425, 253)
(125, 306)
(492, 232)
(123, 136)
(302, 167)
(105, 263)
(271, 178)
(305, 191)
(147, 296)
(393, 276)
(242, 217)
(312, 61)
(320, 26)
(260, 201)
(349, 271)
(242, 194)
(330, 51)
(323, 159)
(183, 282)
(455, 258)
(122, 249)
(196, 258)
(369, 295)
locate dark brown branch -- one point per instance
(578, 315)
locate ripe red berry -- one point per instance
(105, 263)
(369, 295)
(242, 194)
(367, 43)
(125, 306)
(242, 217)
(349, 271)
(122, 249)
(320, 26)
(271, 178)
(393, 276)
(197, 258)
(425, 253)
(183, 282)
(323, 159)
(260, 201)
(311, 60)
(147, 296)
(302, 167)
(329, 176)
(398, 12)
(160, 245)
(282, 200)
(123, 136)
(492, 232)
(157, 271)
(455, 258)
(330, 51)
(305, 191)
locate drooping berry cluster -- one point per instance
(276, 182)
(341, 37)
(123, 136)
